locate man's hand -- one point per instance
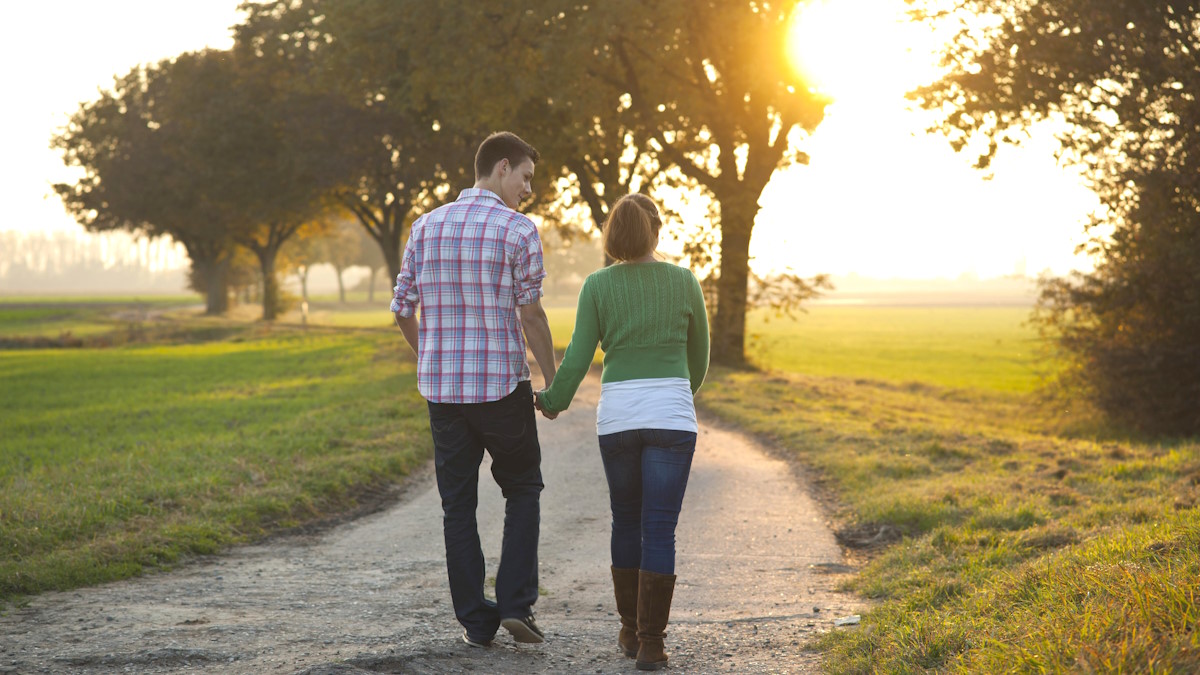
(537, 403)
(409, 328)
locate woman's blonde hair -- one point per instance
(632, 227)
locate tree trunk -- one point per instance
(270, 285)
(729, 324)
(371, 285)
(302, 272)
(216, 296)
(341, 285)
(392, 251)
(212, 270)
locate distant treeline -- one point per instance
(66, 262)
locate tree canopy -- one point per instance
(139, 153)
(377, 106)
(636, 95)
(1121, 76)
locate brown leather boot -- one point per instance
(653, 610)
(625, 585)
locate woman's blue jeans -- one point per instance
(647, 471)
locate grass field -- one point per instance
(994, 534)
(985, 347)
(23, 317)
(974, 347)
(118, 459)
(993, 541)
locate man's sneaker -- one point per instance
(524, 629)
(475, 642)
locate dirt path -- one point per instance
(370, 596)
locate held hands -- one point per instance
(537, 403)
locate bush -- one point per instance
(1129, 331)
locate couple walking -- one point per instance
(474, 267)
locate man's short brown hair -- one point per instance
(502, 145)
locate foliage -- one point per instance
(137, 152)
(712, 81)
(378, 105)
(649, 96)
(336, 242)
(110, 469)
(398, 156)
(1122, 75)
(995, 544)
(207, 148)
(1128, 331)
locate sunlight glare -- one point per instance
(859, 48)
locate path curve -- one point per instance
(370, 596)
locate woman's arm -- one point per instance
(697, 341)
(578, 358)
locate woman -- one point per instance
(649, 318)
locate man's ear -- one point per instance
(504, 166)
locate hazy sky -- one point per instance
(879, 198)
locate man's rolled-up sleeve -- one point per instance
(404, 293)
(528, 269)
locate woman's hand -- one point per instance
(537, 403)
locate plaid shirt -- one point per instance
(469, 264)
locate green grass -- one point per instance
(81, 300)
(1006, 540)
(986, 347)
(24, 317)
(115, 460)
(1017, 548)
(33, 321)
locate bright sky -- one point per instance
(882, 198)
(879, 198)
(58, 55)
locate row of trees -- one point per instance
(57, 262)
(1123, 76)
(373, 108)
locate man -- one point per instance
(475, 266)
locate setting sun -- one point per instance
(854, 49)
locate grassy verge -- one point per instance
(115, 460)
(1010, 548)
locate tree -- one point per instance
(277, 154)
(714, 80)
(135, 146)
(635, 88)
(342, 248)
(1122, 75)
(399, 157)
(369, 256)
(1128, 331)
(309, 247)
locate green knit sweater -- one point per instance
(649, 319)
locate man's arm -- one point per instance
(408, 326)
(537, 334)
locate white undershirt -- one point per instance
(654, 403)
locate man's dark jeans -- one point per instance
(507, 429)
